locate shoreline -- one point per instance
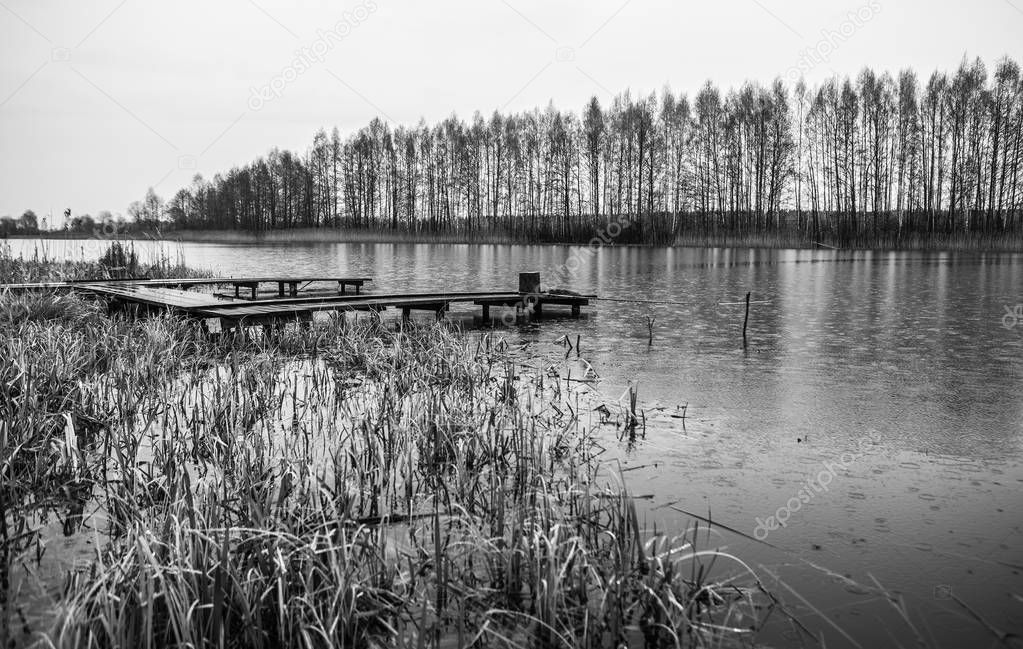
(776, 241)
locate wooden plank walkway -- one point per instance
(38, 286)
(251, 283)
(204, 305)
(160, 297)
(439, 303)
(236, 312)
(318, 298)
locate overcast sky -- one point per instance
(100, 99)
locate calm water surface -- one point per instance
(878, 406)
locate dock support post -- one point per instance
(575, 310)
(280, 289)
(486, 313)
(406, 313)
(238, 328)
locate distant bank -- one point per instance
(957, 241)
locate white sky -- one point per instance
(100, 99)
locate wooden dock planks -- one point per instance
(158, 297)
(241, 315)
(292, 307)
(251, 283)
(235, 311)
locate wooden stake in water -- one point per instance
(633, 396)
(745, 321)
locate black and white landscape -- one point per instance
(511, 323)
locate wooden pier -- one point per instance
(290, 304)
(251, 283)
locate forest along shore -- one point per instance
(978, 242)
(883, 160)
(778, 240)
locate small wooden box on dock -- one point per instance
(529, 283)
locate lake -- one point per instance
(872, 428)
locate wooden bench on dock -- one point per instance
(252, 283)
(534, 302)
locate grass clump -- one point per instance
(118, 260)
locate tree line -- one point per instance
(27, 223)
(871, 159)
(143, 217)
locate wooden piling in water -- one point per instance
(745, 320)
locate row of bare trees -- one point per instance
(869, 159)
